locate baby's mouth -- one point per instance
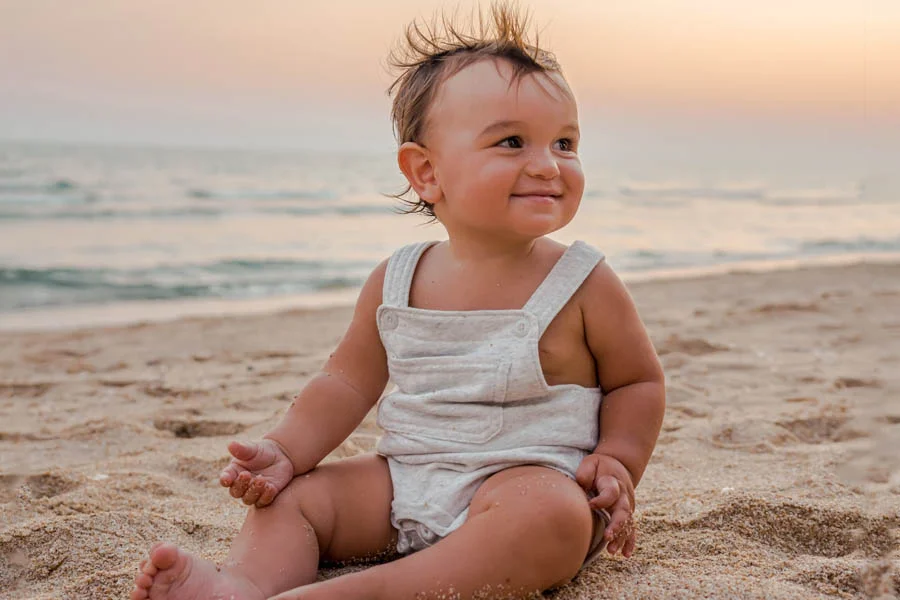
(539, 198)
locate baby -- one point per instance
(498, 475)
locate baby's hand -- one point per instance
(612, 483)
(257, 472)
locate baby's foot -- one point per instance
(171, 574)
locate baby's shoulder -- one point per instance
(602, 289)
(372, 292)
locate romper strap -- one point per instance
(399, 274)
(562, 282)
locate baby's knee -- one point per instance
(565, 528)
(311, 496)
(567, 519)
(552, 509)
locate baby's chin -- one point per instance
(542, 209)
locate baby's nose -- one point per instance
(542, 164)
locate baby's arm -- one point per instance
(324, 413)
(633, 405)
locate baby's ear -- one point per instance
(415, 162)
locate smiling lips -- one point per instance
(545, 197)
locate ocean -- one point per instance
(89, 232)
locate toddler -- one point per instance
(498, 475)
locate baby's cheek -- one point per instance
(573, 174)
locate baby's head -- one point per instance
(487, 128)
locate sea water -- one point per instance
(102, 229)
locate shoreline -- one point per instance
(157, 311)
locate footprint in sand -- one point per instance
(53, 355)
(204, 470)
(47, 485)
(855, 382)
(24, 390)
(158, 390)
(9, 483)
(61, 551)
(273, 354)
(797, 528)
(687, 411)
(822, 428)
(40, 485)
(831, 425)
(117, 383)
(751, 436)
(802, 400)
(845, 578)
(186, 427)
(787, 307)
(689, 346)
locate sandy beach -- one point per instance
(776, 475)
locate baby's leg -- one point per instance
(338, 511)
(528, 530)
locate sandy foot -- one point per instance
(171, 574)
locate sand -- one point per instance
(776, 474)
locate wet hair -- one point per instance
(431, 52)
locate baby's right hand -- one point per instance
(257, 472)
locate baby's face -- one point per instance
(505, 154)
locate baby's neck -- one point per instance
(468, 251)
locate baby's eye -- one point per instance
(511, 142)
(566, 145)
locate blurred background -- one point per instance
(165, 158)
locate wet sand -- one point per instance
(776, 474)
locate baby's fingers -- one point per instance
(620, 532)
(586, 472)
(240, 485)
(608, 492)
(624, 540)
(630, 543)
(228, 475)
(243, 452)
(254, 491)
(619, 523)
(267, 496)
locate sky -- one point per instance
(650, 75)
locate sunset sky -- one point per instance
(310, 74)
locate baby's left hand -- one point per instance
(612, 483)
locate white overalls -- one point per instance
(471, 398)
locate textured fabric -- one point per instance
(471, 398)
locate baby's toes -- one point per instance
(143, 581)
(148, 568)
(141, 590)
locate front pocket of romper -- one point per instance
(446, 399)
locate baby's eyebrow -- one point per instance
(500, 126)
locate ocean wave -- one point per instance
(53, 187)
(101, 213)
(813, 197)
(25, 287)
(860, 244)
(678, 192)
(205, 194)
(654, 194)
(660, 260)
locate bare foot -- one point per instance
(171, 574)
